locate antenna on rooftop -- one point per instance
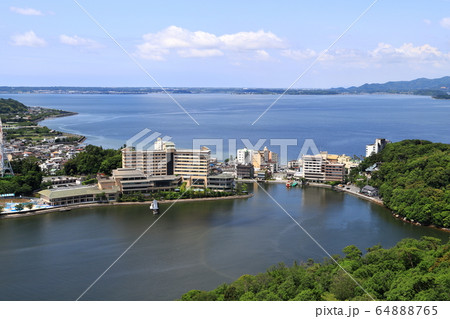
(5, 165)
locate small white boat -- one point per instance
(154, 207)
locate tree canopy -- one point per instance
(412, 270)
(414, 180)
(94, 160)
(11, 106)
(27, 178)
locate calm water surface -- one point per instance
(196, 245)
(338, 124)
(203, 244)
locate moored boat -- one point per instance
(154, 207)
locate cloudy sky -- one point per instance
(222, 44)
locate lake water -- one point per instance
(337, 124)
(196, 245)
(200, 245)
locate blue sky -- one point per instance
(223, 44)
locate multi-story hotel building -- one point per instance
(192, 165)
(130, 181)
(150, 162)
(378, 146)
(244, 156)
(322, 168)
(312, 168)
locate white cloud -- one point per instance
(338, 57)
(445, 23)
(384, 53)
(26, 11)
(262, 55)
(266, 46)
(427, 21)
(299, 54)
(186, 43)
(29, 39)
(252, 40)
(78, 41)
(408, 52)
(199, 53)
(151, 51)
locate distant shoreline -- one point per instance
(228, 93)
(432, 93)
(435, 88)
(66, 114)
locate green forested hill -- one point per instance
(414, 180)
(11, 106)
(419, 86)
(412, 270)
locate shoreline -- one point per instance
(68, 113)
(171, 91)
(361, 196)
(380, 203)
(91, 205)
(81, 139)
(318, 185)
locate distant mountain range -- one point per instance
(422, 86)
(437, 88)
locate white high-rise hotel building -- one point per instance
(244, 156)
(376, 147)
(165, 159)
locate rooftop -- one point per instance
(372, 168)
(127, 172)
(152, 179)
(61, 177)
(223, 175)
(368, 188)
(75, 191)
(163, 178)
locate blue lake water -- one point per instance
(337, 124)
(200, 245)
(196, 245)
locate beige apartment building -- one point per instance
(322, 168)
(265, 158)
(191, 165)
(150, 162)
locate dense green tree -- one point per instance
(412, 270)
(11, 106)
(413, 180)
(342, 286)
(94, 160)
(27, 177)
